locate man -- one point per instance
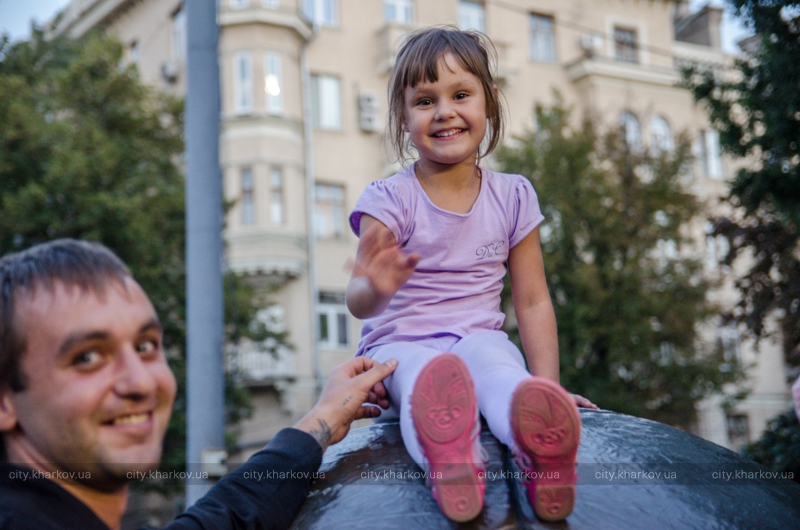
(86, 395)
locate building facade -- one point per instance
(303, 110)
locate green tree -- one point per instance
(779, 446)
(628, 302)
(757, 113)
(88, 151)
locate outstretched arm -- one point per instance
(271, 486)
(380, 270)
(536, 318)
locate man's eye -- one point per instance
(88, 359)
(147, 346)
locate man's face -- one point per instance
(99, 392)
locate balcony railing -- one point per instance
(259, 365)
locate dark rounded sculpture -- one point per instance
(633, 473)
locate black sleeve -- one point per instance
(265, 492)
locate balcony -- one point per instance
(261, 366)
(591, 68)
(389, 38)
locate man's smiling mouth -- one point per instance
(131, 419)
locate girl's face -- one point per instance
(446, 119)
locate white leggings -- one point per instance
(493, 361)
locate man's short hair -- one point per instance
(81, 264)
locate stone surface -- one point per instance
(633, 473)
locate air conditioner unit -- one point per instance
(170, 71)
(591, 42)
(370, 122)
(368, 101)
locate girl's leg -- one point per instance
(534, 416)
(439, 423)
(412, 358)
(497, 368)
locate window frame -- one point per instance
(273, 67)
(247, 196)
(634, 146)
(626, 51)
(336, 219)
(464, 15)
(276, 197)
(324, 116)
(242, 84)
(337, 320)
(539, 33)
(321, 12)
(403, 11)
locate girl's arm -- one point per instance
(380, 270)
(534, 310)
(536, 318)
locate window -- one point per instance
(238, 4)
(625, 46)
(543, 46)
(326, 105)
(660, 136)
(134, 53)
(471, 15)
(276, 196)
(248, 206)
(710, 154)
(329, 210)
(738, 430)
(272, 4)
(397, 11)
(321, 12)
(243, 83)
(272, 83)
(178, 36)
(332, 314)
(631, 131)
(729, 340)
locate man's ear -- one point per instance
(8, 414)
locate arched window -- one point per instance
(660, 136)
(631, 131)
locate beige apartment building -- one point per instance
(303, 110)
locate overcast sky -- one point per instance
(16, 17)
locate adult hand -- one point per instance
(381, 260)
(583, 402)
(348, 388)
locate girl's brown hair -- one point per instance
(418, 60)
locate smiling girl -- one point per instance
(435, 241)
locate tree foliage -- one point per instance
(757, 112)
(779, 445)
(628, 302)
(88, 151)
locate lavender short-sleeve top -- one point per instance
(456, 287)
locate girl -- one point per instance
(434, 241)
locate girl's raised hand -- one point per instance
(381, 260)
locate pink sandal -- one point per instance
(445, 414)
(547, 429)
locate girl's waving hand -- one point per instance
(380, 269)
